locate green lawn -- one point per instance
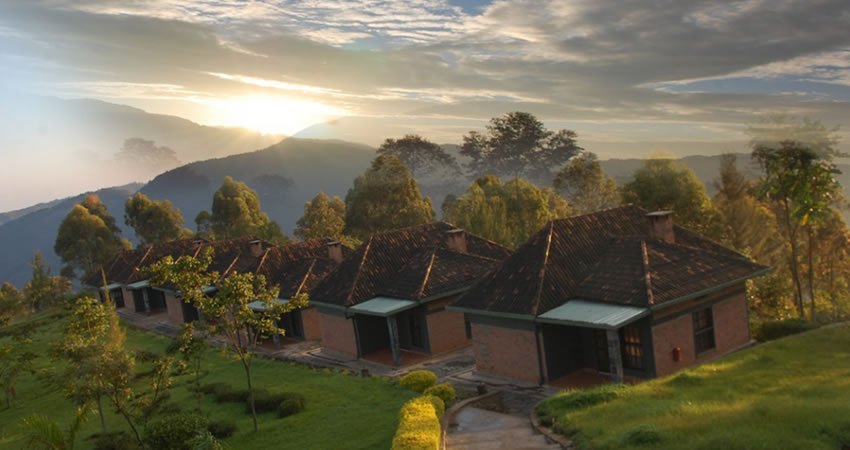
(341, 411)
(793, 393)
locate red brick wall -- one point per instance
(338, 333)
(310, 320)
(506, 352)
(731, 330)
(446, 329)
(175, 309)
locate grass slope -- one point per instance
(341, 411)
(787, 394)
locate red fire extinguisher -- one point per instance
(677, 354)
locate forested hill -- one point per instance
(285, 175)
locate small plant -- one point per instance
(222, 428)
(175, 431)
(268, 402)
(291, 405)
(145, 356)
(443, 390)
(418, 380)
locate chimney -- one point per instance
(335, 251)
(661, 226)
(456, 240)
(256, 248)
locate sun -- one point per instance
(274, 114)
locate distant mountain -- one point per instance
(63, 146)
(20, 238)
(12, 215)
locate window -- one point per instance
(632, 349)
(703, 331)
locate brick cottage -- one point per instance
(621, 292)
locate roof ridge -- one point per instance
(536, 306)
(368, 245)
(467, 254)
(263, 259)
(306, 277)
(427, 274)
(650, 298)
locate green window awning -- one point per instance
(383, 306)
(111, 286)
(260, 306)
(139, 284)
(583, 313)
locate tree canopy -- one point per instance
(323, 217)
(154, 221)
(11, 303)
(661, 184)
(419, 154)
(517, 144)
(505, 213)
(43, 289)
(236, 212)
(384, 198)
(586, 186)
(87, 237)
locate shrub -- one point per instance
(265, 401)
(418, 380)
(643, 434)
(443, 390)
(173, 347)
(174, 431)
(418, 427)
(145, 356)
(438, 404)
(222, 428)
(291, 405)
(213, 388)
(775, 329)
(225, 393)
(116, 440)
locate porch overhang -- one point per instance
(587, 314)
(260, 306)
(139, 284)
(110, 286)
(383, 306)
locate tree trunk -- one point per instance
(251, 394)
(795, 271)
(811, 273)
(100, 413)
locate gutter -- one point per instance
(710, 290)
(480, 312)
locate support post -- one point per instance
(147, 301)
(276, 341)
(615, 358)
(394, 345)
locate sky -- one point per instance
(621, 73)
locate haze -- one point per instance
(629, 78)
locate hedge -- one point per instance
(267, 402)
(174, 431)
(443, 390)
(291, 405)
(418, 380)
(419, 426)
(775, 329)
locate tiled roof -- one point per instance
(294, 268)
(608, 256)
(409, 263)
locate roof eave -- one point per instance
(710, 290)
(481, 312)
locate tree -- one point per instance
(236, 212)
(97, 366)
(154, 221)
(804, 187)
(586, 186)
(192, 350)
(228, 308)
(505, 213)
(384, 198)
(323, 217)
(87, 237)
(203, 225)
(517, 144)
(11, 303)
(419, 154)
(812, 134)
(145, 154)
(16, 359)
(44, 290)
(660, 184)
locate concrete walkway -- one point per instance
(474, 428)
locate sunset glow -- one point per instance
(272, 115)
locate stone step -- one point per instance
(512, 433)
(505, 445)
